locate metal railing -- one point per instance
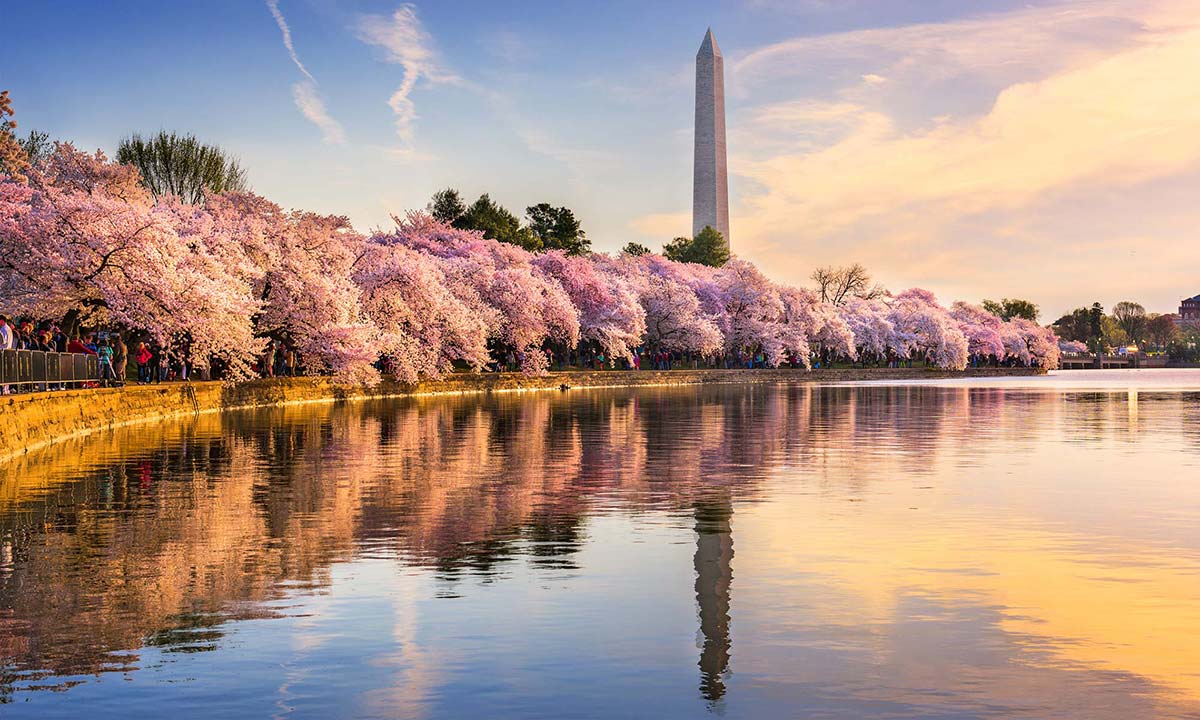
(32, 370)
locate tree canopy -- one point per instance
(707, 248)
(557, 229)
(1131, 318)
(447, 206)
(548, 227)
(497, 223)
(838, 284)
(1009, 308)
(182, 166)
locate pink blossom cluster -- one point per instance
(1072, 347)
(83, 235)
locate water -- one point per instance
(1016, 548)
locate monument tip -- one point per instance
(708, 46)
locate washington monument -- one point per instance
(710, 184)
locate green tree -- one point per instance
(1162, 330)
(1009, 308)
(1111, 332)
(635, 249)
(497, 223)
(447, 206)
(1131, 318)
(37, 146)
(1096, 321)
(557, 228)
(181, 165)
(707, 248)
(1082, 324)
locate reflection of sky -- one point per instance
(945, 551)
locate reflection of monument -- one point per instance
(714, 554)
(710, 184)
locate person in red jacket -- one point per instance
(77, 346)
(143, 362)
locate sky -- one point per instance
(1045, 150)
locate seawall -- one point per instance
(36, 420)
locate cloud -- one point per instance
(992, 141)
(1037, 40)
(406, 43)
(313, 107)
(304, 93)
(273, 5)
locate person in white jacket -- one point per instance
(6, 342)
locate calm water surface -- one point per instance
(1022, 548)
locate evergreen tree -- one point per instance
(447, 206)
(497, 223)
(707, 248)
(557, 228)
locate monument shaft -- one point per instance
(710, 184)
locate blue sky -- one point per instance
(981, 149)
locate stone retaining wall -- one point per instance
(32, 421)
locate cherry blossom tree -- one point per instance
(981, 328)
(750, 308)
(867, 320)
(675, 321)
(85, 237)
(1040, 342)
(81, 236)
(529, 308)
(609, 311)
(923, 326)
(423, 325)
(827, 331)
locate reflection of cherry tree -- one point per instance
(232, 507)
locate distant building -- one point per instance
(1189, 311)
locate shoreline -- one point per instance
(33, 421)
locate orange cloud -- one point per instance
(991, 140)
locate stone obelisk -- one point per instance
(710, 184)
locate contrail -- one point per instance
(273, 5)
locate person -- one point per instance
(143, 362)
(6, 343)
(120, 359)
(268, 360)
(75, 345)
(105, 353)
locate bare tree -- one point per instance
(1131, 317)
(838, 284)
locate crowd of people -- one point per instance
(115, 358)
